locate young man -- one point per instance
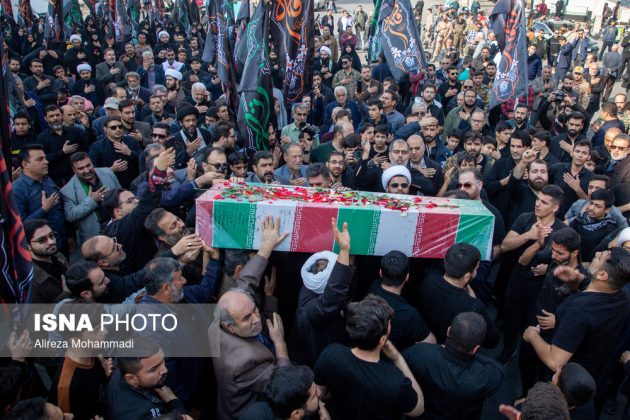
(442, 297)
(572, 177)
(594, 224)
(562, 256)
(586, 322)
(361, 381)
(529, 233)
(457, 378)
(408, 327)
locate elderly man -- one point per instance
(293, 169)
(248, 356)
(135, 91)
(369, 174)
(299, 111)
(150, 74)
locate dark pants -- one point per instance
(517, 305)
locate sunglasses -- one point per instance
(397, 185)
(43, 239)
(465, 185)
(613, 147)
(115, 127)
(159, 136)
(219, 167)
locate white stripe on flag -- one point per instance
(285, 210)
(396, 231)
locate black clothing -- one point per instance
(522, 199)
(81, 387)
(126, 402)
(363, 390)
(558, 152)
(440, 301)
(587, 324)
(258, 411)
(60, 167)
(103, 154)
(122, 285)
(556, 173)
(408, 327)
(454, 384)
(498, 195)
(319, 320)
(136, 241)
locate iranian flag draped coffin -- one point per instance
(230, 215)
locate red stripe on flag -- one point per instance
(312, 230)
(435, 233)
(204, 220)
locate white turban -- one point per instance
(174, 74)
(163, 33)
(84, 67)
(624, 237)
(325, 49)
(317, 282)
(75, 37)
(392, 171)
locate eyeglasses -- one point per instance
(397, 185)
(114, 248)
(336, 162)
(129, 201)
(219, 167)
(622, 148)
(159, 136)
(115, 127)
(465, 185)
(43, 239)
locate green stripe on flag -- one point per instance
(476, 230)
(234, 224)
(363, 227)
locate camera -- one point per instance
(559, 95)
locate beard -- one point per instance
(537, 184)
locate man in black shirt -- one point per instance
(588, 322)
(563, 255)
(572, 177)
(455, 377)
(59, 143)
(595, 224)
(441, 297)
(529, 233)
(291, 394)
(522, 193)
(499, 174)
(447, 90)
(362, 384)
(562, 145)
(408, 327)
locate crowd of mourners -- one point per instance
(112, 142)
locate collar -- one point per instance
(185, 136)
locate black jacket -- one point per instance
(60, 167)
(122, 285)
(126, 402)
(103, 154)
(137, 243)
(318, 319)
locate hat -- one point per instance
(325, 49)
(317, 282)
(195, 59)
(163, 33)
(111, 103)
(578, 69)
(428, 120)
(84, 67)
(187, 110)
(624, 237)
(75, 37)
(173, 73)
(393, 171)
